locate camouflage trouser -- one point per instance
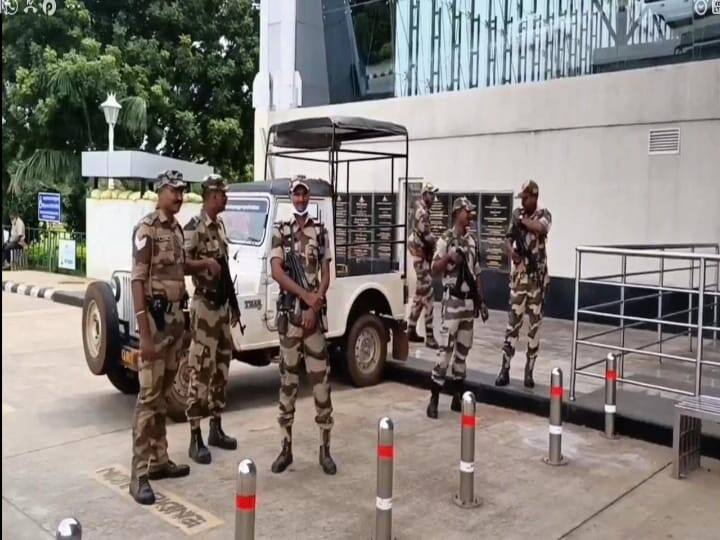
(457, 333)
(156, 379)
(312, 349)
(525, 297)
(209, 359)
(423, 295)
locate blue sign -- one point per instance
(49, 207)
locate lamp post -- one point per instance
(111, 109)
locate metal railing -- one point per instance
(55, 251)
(659, 282)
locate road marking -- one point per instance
(168, 506)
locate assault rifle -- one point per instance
(226, 291)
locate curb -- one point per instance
(538, 403)
(47, 293)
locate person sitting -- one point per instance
(16, 240)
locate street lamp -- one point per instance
(111, 109)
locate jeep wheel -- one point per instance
(366, 350)
(100, 328)
(177, 399)
(124, 379)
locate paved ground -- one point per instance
(61, 425)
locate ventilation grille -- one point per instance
(664, 141)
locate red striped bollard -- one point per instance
(555, 456)
(385, 461)
(465, 497)
(245, 500)
(610, 395)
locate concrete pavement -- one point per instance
(61, 425)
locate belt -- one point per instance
(205, 292)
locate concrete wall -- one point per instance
(584, 139)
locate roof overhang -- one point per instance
(139, 165)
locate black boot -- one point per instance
(217, 436)
(198, 452)
(432, 408)
(528, 380)
(169, 470)
(430, 342)
(413, 336)
(326, 460)
(141, 491)
(285, 458)
(503, 378)
(456, 388)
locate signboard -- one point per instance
(384, 214)
(66, 254)
(413, 194)
(495, 214)
(360, 222)
(49, 207)
(440, 214)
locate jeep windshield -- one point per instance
(245, 220)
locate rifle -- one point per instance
(297, 274)
(466, 276)
(533, 268)
(226, 291)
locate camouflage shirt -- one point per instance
(536, 244)
(205, 239)
(158, 256)
(450, 240)
(310, 243)
(421, 235)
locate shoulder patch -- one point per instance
(192, 224)
(149, 219)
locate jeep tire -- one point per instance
(366, 350)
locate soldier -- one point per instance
(210, 315)
(457, 259)
(158, 290)
(529, 280)
(300, 322)
(422, 245)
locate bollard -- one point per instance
(555, 456)
(610, 395)
(465, 498)
(245, 500)
(383, 500)
(69, 529)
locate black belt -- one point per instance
(208, 293)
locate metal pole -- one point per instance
(610, 395)
(701, 307)
(245, 500)
(69, 529)
(660, 298)
(690, 297)
(555, 456)
(716, 299)
(383, 499)
(573, 363)
(111, 149)
(623, 271)
(465, 498)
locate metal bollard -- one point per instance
(610, 395)
(245, 500)
(555, 456)
(465, 498)
(383, 500)
(69, 529)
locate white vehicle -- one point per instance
(365, 303)
(675, 13)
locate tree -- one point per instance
(183, 69)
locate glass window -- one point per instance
(245, 220)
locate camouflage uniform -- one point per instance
(211, 348)
(158, 262)
(527, 291)
(311, 245)
(458, 313)
(421, 242)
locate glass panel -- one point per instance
(245, 220)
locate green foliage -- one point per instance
(182, 70)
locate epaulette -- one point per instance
(150, 218)
(193, 223)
